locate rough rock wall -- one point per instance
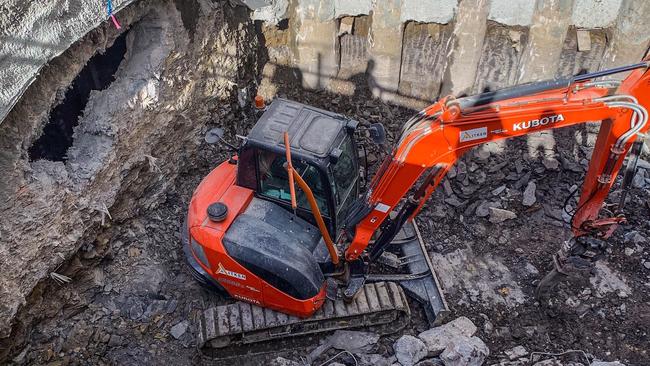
(184, 59)
(34, 32)
(415, 51)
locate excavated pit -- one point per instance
(101, 160)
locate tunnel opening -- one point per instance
(98, 74)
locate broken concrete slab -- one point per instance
(353, 341)
(606, 281)
(436, 339)
(529, 194)
(516, 352)
(498, 215)
(409, 350)
(465, 351)
(475, 279)
(178, 330)
(483, 209)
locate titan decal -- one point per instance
(232, 274)
(473, 134)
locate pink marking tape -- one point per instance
(117, 25)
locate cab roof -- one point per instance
(312, 131)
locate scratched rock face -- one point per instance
(425, 55)
(354, 45)
(499, 64)
(584, 56)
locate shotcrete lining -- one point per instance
(66, 198)
(35, 32)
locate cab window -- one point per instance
(345, 173)
(274, 182)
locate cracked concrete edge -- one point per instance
(585, 13)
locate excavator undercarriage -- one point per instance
(381, 306)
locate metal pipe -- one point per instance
(319, 218)
(634, 126)
(615, 70)
(639, 111)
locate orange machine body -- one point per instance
(240, 283)
(447, 131)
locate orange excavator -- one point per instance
(326, 256)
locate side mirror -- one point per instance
(377, 133)
(214, 135)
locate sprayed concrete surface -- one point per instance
(173, 73)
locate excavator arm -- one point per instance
(433, 140)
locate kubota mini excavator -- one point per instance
(300, 259)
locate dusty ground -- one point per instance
(130, 287)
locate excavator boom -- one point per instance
(438, 136)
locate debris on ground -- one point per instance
(465, 351)
(436, 339)
(498, 215)
(409, 350)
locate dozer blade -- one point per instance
(417, 275)
(240, 328)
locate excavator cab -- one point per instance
(324, 154)
(243, 235)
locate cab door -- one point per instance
(345, 174)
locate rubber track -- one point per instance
(234, 328)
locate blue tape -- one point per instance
(109, 7)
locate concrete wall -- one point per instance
(415, 51)
(507, 41)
